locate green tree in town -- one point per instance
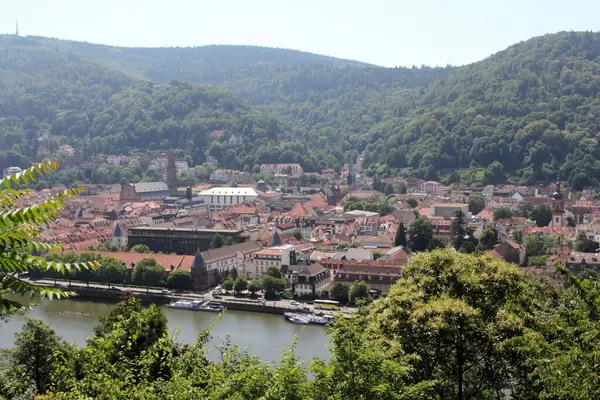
(141, 248)
(488, 239)
(535, 245)
(148, 272)
(19, 232)
(585, 245)
(400, 239)
(476, 203)
(227, 284)
(339, 292)
(571, 222)
(255, 286)
(413, 203)
(542, 215)
(358, 293)
(219, 241)
(297, 234)
(273, 286)
(274, 271)
(240, 285)
(180, 280)
(111, 271)
(420, 234)
(502, 212)
(458, 229)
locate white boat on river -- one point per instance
(197, 305)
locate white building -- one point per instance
(228, 258)
(293, 170)
(221, 197)
(271, 257)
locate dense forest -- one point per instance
(524, 115)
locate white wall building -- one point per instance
(271, 257)
(220, 197)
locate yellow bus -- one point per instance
(326, 304)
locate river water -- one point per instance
(265, 335)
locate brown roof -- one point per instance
(229, 251)
(130, 257)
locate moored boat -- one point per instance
(296, 319)
(197, 305)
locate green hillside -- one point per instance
(526, 114)
(531, 112)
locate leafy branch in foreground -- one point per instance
(19, 229)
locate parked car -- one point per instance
(217, 296)
(295, 303)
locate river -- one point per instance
(265, 335)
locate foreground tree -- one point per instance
(19, 230)
(36, 349)
(451, 311)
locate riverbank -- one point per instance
(115, 293)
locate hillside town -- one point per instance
(338, 231)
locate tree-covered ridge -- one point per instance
(533, 108)
(526, 114)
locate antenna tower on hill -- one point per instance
(17, 27)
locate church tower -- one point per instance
(171, 172)
(351, 179)
(558, 208)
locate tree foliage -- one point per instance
(420, 233)
(19, 230)
(179, 279)
(148, 272)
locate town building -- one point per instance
(307, 280)
(433, 188)
(218, 198)
(179, 240)
(379, 275)
(276, 256)
(293, 170)
(213, 266)
(144, 191)
(448, 209)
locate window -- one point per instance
(218, 199)
(381, 278)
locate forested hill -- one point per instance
(529, 113)
(49, 92)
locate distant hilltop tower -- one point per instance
(17, 27)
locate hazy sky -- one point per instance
(383, 32)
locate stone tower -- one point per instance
(558, 208)
(351, 179)
(171, 172)
(199, 272)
